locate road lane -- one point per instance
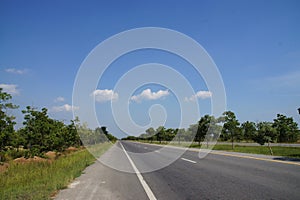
(217, 176)
(103, 182)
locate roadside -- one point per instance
(41, 178)
(107, 178)
(279, 152)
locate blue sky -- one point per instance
(255, 45)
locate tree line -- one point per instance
(41, 133)
(227, 128)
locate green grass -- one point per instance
(40, 180)
(291, 152)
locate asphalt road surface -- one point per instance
(127, 173)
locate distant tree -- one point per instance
(170, 134)
(248, 130)
(160, 133)
(150, 134)
(265, 134)
(286, 128)
(203, 126)
(214, 130)
(180, 134)
(231, 127)
(6, 121)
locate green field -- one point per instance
(41, 180)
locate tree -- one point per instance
(231, 127)
(170, 134)
(41, 133)
(150, 134)
(248, 130)
(160, 133)
(214, 130)
(265, 133)
(6, 121)
(286, 128)
(203, 126)
(180, 134)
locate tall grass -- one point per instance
(40, 180)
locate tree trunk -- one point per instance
(232, 141)
(271, 152)
(207, 143)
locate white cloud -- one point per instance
(16, 71)
(199, 95)
(105, 95)
(149, 95)
(59, 99)
(10, 88)
(64, 108)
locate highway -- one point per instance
(217, 176)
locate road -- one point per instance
(217, 176)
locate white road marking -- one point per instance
(145, 147)
(140, 177)
(188, 160)
(156, 151)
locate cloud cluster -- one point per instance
(16, 71)
(147, 94)
(59, 99)
(199, 95)
(64, 108)
(10, 88)
(105, 95)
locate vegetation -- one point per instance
(40, 180)
(208, 128)
(293, 152)
(41, 134)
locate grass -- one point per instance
(291, 152)
(40, 180)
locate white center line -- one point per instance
(188, 160)
(140, 177)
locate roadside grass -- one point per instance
(41, 180)
(290, 152)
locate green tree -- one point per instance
(170, 134)
(286, 128)
(160, 133)
(150, 134)
(231, 127)
(265, 134)
(6, 121)
(180, 134)
(248, 130)
(203, 126)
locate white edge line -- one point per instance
(140, 177)
(188, 160)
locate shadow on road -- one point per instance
(288, 158)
